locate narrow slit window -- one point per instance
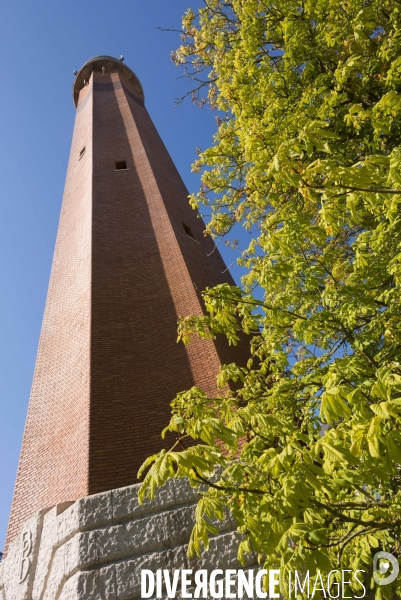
(121, 165)
(189, 233)
(82, 152)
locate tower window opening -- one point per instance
(121, 165)
(82, 153)
(189, 233)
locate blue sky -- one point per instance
(41, 43)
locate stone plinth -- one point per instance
(95, 548)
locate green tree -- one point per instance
(307, 155)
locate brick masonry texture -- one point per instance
(124, 269)
(95, 548)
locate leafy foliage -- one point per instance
(307, 155)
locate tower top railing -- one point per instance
(104, 64)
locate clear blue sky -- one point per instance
(41, 43)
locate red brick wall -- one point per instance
(53, 465)
(124, 269)
(203, 262)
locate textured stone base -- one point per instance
(95, 548)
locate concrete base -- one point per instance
(95, 548)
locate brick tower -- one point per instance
(130, 258)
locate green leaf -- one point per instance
(381, 410)
(333, 405)
(373, 436)
(393, 442)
